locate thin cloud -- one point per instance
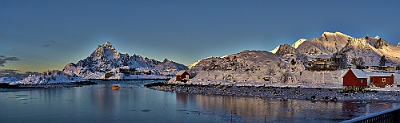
(49, 43)
(4, 59)
(46, 45)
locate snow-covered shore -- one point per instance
(283, 93)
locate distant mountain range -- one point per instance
(369, 48)
(106, 59)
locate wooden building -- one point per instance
(381, 79)
(183, 76)
(355, 79)
(324, 62)
(387, 67)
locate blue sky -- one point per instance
(39, 35)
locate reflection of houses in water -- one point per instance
(182, 98)
(268, 110)
(352, 108)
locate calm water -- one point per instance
(134, 103)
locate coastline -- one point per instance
(281, 93)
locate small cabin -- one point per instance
(382, 79)
(355, 79)
(182, 76)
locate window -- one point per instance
(383, 79)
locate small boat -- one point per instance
(115, 87)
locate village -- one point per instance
(352, 77)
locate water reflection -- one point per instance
(275, 110)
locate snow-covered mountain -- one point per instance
(328, 43)
(106, 59)
(371, 49)
(253, 66)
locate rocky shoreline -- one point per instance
(282, 93)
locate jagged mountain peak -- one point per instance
(107, 50)
(334, 36)
(166, 60)
(285, 49)
(325, 34)
(107, 44)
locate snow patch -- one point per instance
(276, 49)
(298, 43)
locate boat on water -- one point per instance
(115, 87)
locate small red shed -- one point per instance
(382, 79)
(355, 79)
(182, 76)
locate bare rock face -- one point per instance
(381, 43)
(286, 49)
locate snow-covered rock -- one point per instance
(257, 67)
(9, 79)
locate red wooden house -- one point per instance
(182, 76)
(382, 79)
(355, 79)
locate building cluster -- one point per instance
(356, 79)
(324, 62)
(331, 62)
